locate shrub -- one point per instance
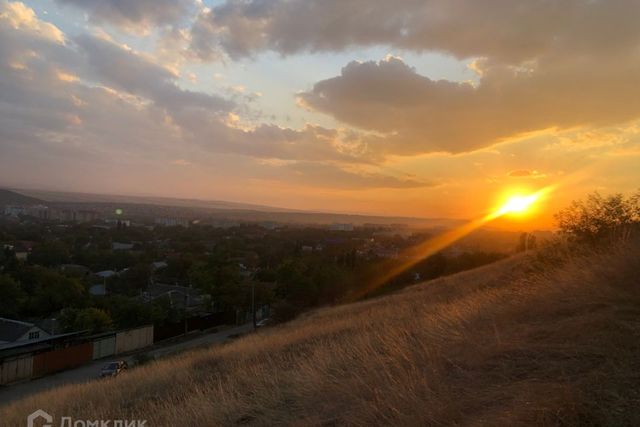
(600, 218)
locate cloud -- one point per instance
(134, 15)
(131, 72)
(90, 100)
(507, 31)
(415, 114)
(541, 64)
(525, 173)
(20, 17)
(327, 175)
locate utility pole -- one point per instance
(186, 301)
(253, 303)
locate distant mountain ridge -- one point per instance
(237, 210)
(70, 197)
(9, 197)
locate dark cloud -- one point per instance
(542, 64)
(133, 14)
(507, 31)
(420, 115)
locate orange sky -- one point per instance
(428, 109)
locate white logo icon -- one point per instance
(39, 414)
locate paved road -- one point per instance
(91, 371)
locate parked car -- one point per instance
(113, 369)
(264, 322)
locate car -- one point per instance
(264, 322)
(113, 369)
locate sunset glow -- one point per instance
(402, 195)
(232, 101)
(518, 204)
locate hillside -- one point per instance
(547, 339)
(8, 197)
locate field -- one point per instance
(543, 339)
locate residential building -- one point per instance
(173, 222)
(14, 331)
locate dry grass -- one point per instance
(515, 343)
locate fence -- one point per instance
(16, 369)
(60, 359)
(134, 339)
(60, 355)
(104, 347)
(195, 323)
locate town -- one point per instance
(76, 280)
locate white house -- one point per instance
(12, 331)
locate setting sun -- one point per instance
(518, 204)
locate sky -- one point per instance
(427, 108)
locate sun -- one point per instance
(518, 204)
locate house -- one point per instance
(99, 282)
(244, 271)
(99, 290)
(158, 265)
(14, 331)
(179, 296)
(118, 223)
(173, 222)
(341, 227)
(118, 246)
(106, 274)
(15, 211)
(51, 326)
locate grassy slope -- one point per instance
(519, 342)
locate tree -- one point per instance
(599, 217)
(50, 254)
(52, 291)
(137, 277)
(527, 242)
(8, 260)
(296, 284)
(220, 278)
(89, 319)
(12, 297)
(128, 312)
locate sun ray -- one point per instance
(415, 254)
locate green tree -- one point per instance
(89, 319)
(50, 254)
(221, 279)
(12, 297)
(296, 283)
(52, 291)
(137, 277)
(8, 260)
(128, 312)
(162, 311)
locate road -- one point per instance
(90, 371)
